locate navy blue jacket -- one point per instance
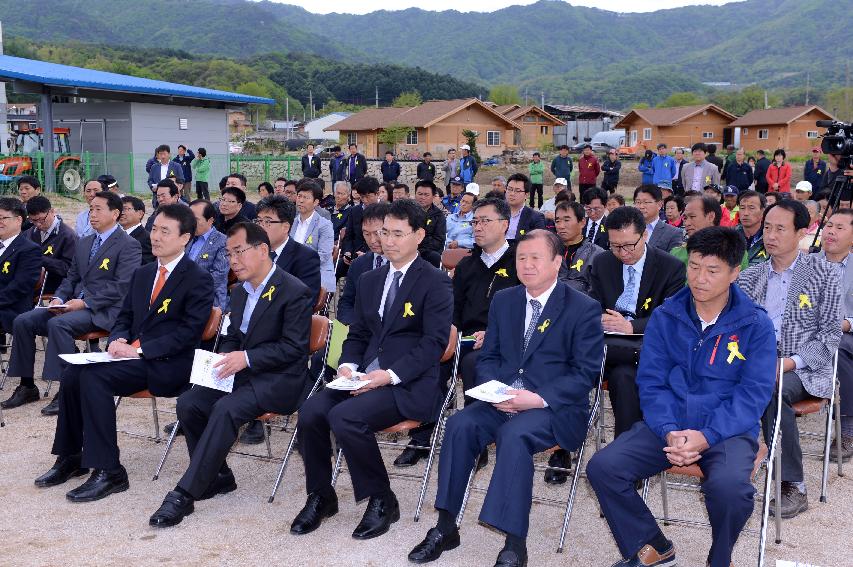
(689, 379)
(185, 162)
(739, 175)
(530, 219)
(301, 262)
(390, 171)
(346, 304)
(814, 175)
(20, 267)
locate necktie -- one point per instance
(591, 234)
(518, 384)
(158, 286)
(96, 245)
(392, 293)
(2, 246)
(624, 302)
(378, 262)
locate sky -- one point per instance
(366, 6)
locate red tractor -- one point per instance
(28, 159)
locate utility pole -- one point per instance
(808, 81)
(287, 117)
(377, 96)
(311, 103)
(525, 97)
(4, 129)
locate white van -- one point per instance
(603, 141)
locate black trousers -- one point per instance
(201, 190)
(583, 187)
(535, 189)
(354, 420)
(620, 371)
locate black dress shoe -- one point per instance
(382, 511)
(410, 456)
(433, 545)
(562, 459)
(62, 470)
(22, 395)
(101, 484)
(222, 484)
(52, 408)
(483, 460)
(316, 508)
(175, 507)
(254, 434)
(169, 427)
(509, 558)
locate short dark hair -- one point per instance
(290, 182)
(402, 186)
(283, 179)
(181, 146)
(182, 214)
(353, 146)
(802, 218)
(407, 210)
(137, 203)
(14, 206)
(592, 194)
(711, 205)
(375, 211)
(95, 180)
(235, 192)
(238, 176)
(842, 211)
(389, 153)
(537, 154)
(749, 194)
(209, 211)
(468, 194)
(29, 180)
(113, 200)
(367, 185)
(283, 207)
(618, 198)
(573, 206)
(661, 145)
(699, 146)
(162, 148)
(38, 204)
(255, 235)
(202, 152)
(623, 217)
(564, 196)
(426, 183)
(494, 194)
(427, 154)
(563, 147)
(500, 205)
(679, 202)
(336, 149)
(169, 184)
(267, 186)
(549, 237)
(652, 191)
(308, 184)
(222, 182)
(712, 148)
(520, 177)
(760, 152)
(780, 152)
(720, 241)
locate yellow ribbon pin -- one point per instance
(429, 221)
(105, 264)
(165, 307)
(340, 216)
(502, 273)
(734, 352)
(707, 179)
(268, 294)
(545, 324)
(577, 265)
(310, 240)
(647, 303)
(804, 300)
(602, 229)
(521, 232)
(6, 267)
(48, 250)
(762, 254)
(205, 256)
(407, 310)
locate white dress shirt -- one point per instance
(277, 252)
(131, 229)
(301, 232)
(528, 312)
(7, 243)
(252, 297)
(491, 259)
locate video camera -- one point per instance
(838, 140)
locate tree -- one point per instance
(840, 103)
(504, 94)
(681, 99)
(255, 89)
(412, 98)
(639, 105)
(749, 98)
(471, 140)
(393, 134)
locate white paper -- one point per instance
(204, 374)
(60, 306)
(492, 391)
(226, 322)
(782, 563)
(618, 334)
(348, 384)
(92, 358)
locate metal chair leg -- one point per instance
(778, 483)
(838, 436)
(2, 420)
(337, 470)
(663, 495)
(570, 503)
(283, 465)
(156, 417)
(436, 435)
(47, 389)
(267, 429)
(827, 447)
(645, 494)
(166, 450)
(461, 513)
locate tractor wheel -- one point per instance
(69, 179)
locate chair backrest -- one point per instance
(451, 257)
(39, 289)
(319, 333)
(451, 345)
(321, 300)
(232, 278)
(212, 326)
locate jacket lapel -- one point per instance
(272, 290)
(7, 252)
(103, 250)
(549, 314)
(646, 280)
(172, 282)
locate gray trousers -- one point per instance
(60, 331)
(792, 454)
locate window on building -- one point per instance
(707, 135)
(633, 137)
(647, 133)
(412, 138)
(352, 138)
(543, 130)
(493, 138)
(811, 134)
(763, 133)
(744, 131)
(530, 119)
(516, 137)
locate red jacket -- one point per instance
(780, 175)
(588, 170)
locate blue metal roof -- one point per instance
(42, 72)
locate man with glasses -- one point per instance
(230, 205)
(611, 166)
(133, 210)
(522, 219)
(401, 328)
(659, 234)
(630, 281)
(594, 203)
(57, 241)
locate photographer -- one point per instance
(833, 171)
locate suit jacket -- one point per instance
(103, 281)
(663, 275)
(211, 258)
(56, 253)
(301, 262)
(580, 265)
(20, 268)
(411, 339)
(436, 231)
(175, 171)
(665, 236)
(320, 237)
(562, 359)
(360, 168)
(529, 220)
(601, 238)
(311, 166)
(346, 304)
(354, 240)
(811, 324)
(710, 174)
(169, 329)
(141, 236)
(276, 341)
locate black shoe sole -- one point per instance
(407, 464)
(394, 518)
(114, 490)
(170, 523)
(220, 491)
(6, 405)
(251, 440)
(327, 514)
(78, 472)
(453, 545)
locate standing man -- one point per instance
(57, 240)
(202, 175)
(450, 168)
(814, 169)
(561, 165)
(659, 234)
(699, 173)
(738, 172)
(314, 231)
(390, 168)
(588, 169)
(185, 159)
(611, 167)
(426, 169)
(536, 170)
(594, 203)
(355, 165)
(664, 168)
(714, 158)
(522, 218)
(132, 212)
(680, 162)
(435, 225)
(336, 172)
(751, 206)
(207, 249)
(310, 163)
(162, 169)
(762, 164)
(468, 166)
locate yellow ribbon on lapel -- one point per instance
(646, 303)
(762, 254)
(407, 310)
(340, 216)
(165, 307)
(521, 232)
(545, 324)
(48, 250)
(577, 265)
(105, 264)
(6, 266)
(429, 221)
(804, 301)
(310, 240)
(205, 256)
(734, 352)
(602, 229)
(268, 294)
(502, 273)
(707, 179)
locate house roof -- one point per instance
(672, 116)
(519, 112)
(505, 108)
(580, 111)
(777, 115)
(422, 116)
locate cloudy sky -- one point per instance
(365, 6)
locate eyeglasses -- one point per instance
(645, 203)
(238, 253)
(394, 234)
(267, 222)
(512, 190)
(625, 247)
(485, 222)
(38, 220)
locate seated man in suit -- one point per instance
(230, 205)
(267, 352)
(238, 181)
(353, 244)
(313, 230)
(630, 281)
(578, 252)
(522, 219)
(402, 325)
(88, 299)
(436, 225)
(658, 234)
(544, 341)
(702, 401)
(594, 203)
(57, 240)
(133, 210)
(207, 249)
(372, 221)
(160, 324)
(802, 295)
(165, 193)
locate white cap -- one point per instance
(804, 186)
(472, 188)
(465, 147)
(561, 181)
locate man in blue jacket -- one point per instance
(664, 168)
(706, 376)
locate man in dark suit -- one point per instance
(544, 341)
(402, 324)
(238, 180)
(267, 352)
(207, 249)
(371, 226)
(20, 263)
(522, 218)
(629, 281)
(57, 240)
(432, 245)
(88, 299)
(165, 193)
(658, 234)
(354, 165)
(230, 207)
(133, 210)
(310, 163)
(162, 169)
(594, 203)
(160, 324)
(353, 244)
